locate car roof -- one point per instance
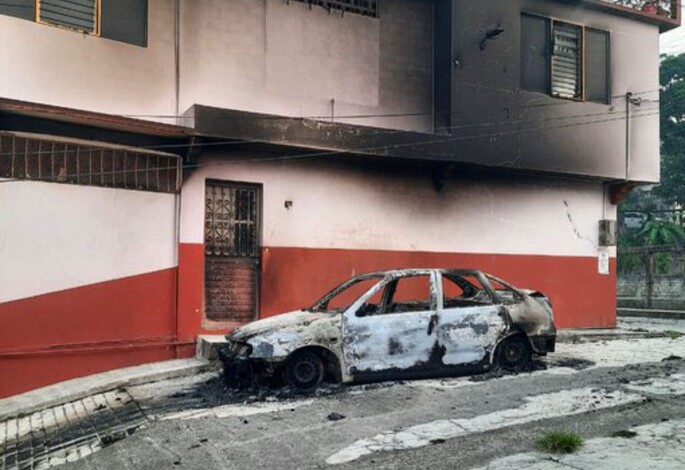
(418, 271)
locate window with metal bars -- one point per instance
(231, 220)
(25, 157)
(360, 7)
(565, 60)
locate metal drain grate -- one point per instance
(68, 432)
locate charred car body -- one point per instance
(396, 324)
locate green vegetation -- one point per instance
(557, 442)
(672, 334)
(672, 103)
(661, 232)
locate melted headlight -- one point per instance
(240, 349)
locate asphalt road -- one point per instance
(453, 423)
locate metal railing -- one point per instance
(56, 160)
(666, 8)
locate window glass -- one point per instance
(597, 66)
(535, 53)
(567, 52)
(125, 21)
(25, 9)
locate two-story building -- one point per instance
(170, 168)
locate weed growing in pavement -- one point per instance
(672, 334)
(557, 442)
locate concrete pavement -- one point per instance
(64, 392)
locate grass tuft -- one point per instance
(672, 334)
(624, 434)
(556, 442)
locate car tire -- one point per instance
(304, 371)
(514, 353)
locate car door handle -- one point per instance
(432, 324)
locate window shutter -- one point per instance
(597, 72)
(125, 21)
(535, 53)
(566, 61)
(76, 14)
(25, 9)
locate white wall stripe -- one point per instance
(343, 207)
(56, 236)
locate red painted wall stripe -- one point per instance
(295, 277)
(136, 307)
(72, 333)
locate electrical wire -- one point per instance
(377, 132)
(363, 150)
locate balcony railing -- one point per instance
(657, 8)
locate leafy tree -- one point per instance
(672, 79)
(661, 232)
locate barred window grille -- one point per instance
(360, 7)
(231, 220)
(58, 161)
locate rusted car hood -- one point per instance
(275, 338)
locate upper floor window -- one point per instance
(81, 15)
(565, 60)
(361, 7)
(120, 20)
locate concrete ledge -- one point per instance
(207, 346)
(75, 389)
(651, 313)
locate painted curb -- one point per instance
(75, 389)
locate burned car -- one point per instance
(396, 324)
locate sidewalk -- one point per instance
(651, 313)
(582, 336)
(75, 389)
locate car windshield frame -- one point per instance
(321, 305)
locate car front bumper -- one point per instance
(237, 369)
(543, 344)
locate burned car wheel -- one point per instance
(514, 352)
(304, 371)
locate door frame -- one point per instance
(383, 285)
(260, 245)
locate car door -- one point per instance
(400, 335)
(469, 323)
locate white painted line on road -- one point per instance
(241, 409)
(654, 446)
(622, 352)
(671, 385)
(536, 408)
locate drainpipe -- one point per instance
(179, 178)
(177, 57)
(629, 97)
